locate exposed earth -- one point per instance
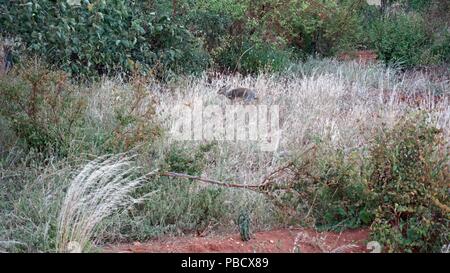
(275, 241)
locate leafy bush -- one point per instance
(398, 187)
(441, 48)
(213, 27)
(252, 57)
(48, 114)
(330, 190)
(134, 119)
(343, 197)
(99, 38)
(309, 26)
(41, 107)
(181, 160)
(418, 5)
(399, 39)
(410, 180)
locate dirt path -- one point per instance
(282, 240)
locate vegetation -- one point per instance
(96, 38)
(102, 38)
(86, 154)
(410, 181)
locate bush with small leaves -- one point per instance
(41, 107)
(410, 181)
(399, 39)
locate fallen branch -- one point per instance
(211, 181)
(261, 188)
(264, 187)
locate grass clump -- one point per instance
(30, 198)
(100, 189)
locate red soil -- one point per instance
(281, 241)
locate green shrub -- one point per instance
(250, 57)
(410, 180)
(48, 114)
(399, 39)
(182, 160)
(175, 205)
(41, 107)
(211, 26)
(398, 187)
(441, 48)
(99, 38)
(343, 197)
(330, 190)
(135, 121)
(419, 5)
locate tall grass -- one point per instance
(31, 193)
(339, 106)
(100, 189)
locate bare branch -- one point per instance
(210, 181)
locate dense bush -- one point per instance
(330, 190)
(134, 119)
(398, 187)
(99, 38)
(166, 38)
(418, 5)
(410, 180)
(212, 27)
(343, 198)
(399, 39)
(236, 42)
(182, 160)
(441, 48)
(50, 115)
(41, 107)
(252, 56)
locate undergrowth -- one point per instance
(377, 161)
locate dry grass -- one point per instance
(336, 104)
(100, 189)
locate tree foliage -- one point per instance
(98, 37)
